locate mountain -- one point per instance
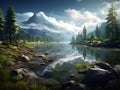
(42, 25)
(32, 19)
(102, 27)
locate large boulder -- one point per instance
(24, 72)
(103, 65)
(97, 77)
(116, 69)
(24, 58)
(112, 85)
(72, 85)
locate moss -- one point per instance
(83, 67)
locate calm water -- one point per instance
(65, 57)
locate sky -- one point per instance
(71, 13)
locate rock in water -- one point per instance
(97, 77)
(103, 65)
(72, 85)
(116, 69)
(24, 58)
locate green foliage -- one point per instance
(11, 28)
(84, 33)
(83, 67)
(1, 25)
(112, 28)
(97, 32)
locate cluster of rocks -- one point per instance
(101, 76)
(23, 73)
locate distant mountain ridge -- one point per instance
(40, 24)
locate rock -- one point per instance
(116, 69)
(9, 63)
(72, 85)
(97, 77)
(24, 72)
(72, 77)
(46, 53)
(41, 55)
(111, 85)
(50, 60)
(24, 58)
(102, 65)
(42, 63)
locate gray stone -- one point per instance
(25, 73)
(103, 65)
(97, 77)
(72, 85)
(116, 69)
(112, 85)
(24, 58)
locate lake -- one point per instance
(65, 57)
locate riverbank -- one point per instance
(14, 76)
(25, 74)
(105, 44)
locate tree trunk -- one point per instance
(1, 35)
(10, 38)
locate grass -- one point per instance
(83, 67)
(7, 82)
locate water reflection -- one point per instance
(111, 56)
(66, 56)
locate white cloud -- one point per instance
(104, 11)
(23, 16)
(79, 0)
(86, 18)
(59, 25)
(50, 24)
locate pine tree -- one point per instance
(84, 33)
(1, 25)
(112, 28)
(92, 36)
(97, 32)
(11, 28)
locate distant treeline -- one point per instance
(12, 33)
(111, 33)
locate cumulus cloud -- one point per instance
(86, 18)
(79, 0)
(59, 25)
(23, 16)
(104, 11)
